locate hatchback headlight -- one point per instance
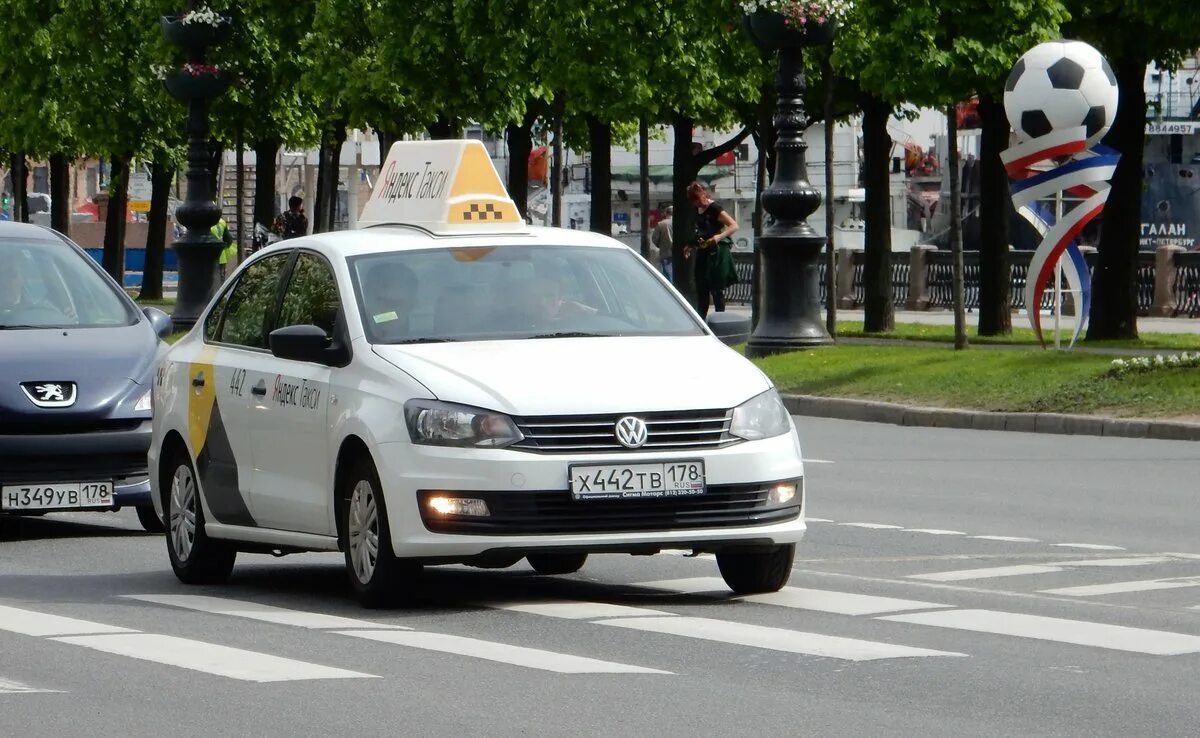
(145, 403)
(432, 423)
(762, 416)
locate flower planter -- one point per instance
(194, 35)
(771, 30)
(185, 86)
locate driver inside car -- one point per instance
(390, 292)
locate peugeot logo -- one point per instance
(631, 432)
(50, 394)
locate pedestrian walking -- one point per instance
(714, 270)
(664, 241)
(292, 223)
(221, 232)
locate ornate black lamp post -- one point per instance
(196, 83)
(791, 289)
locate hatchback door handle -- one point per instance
(260, 389)
(198, 380)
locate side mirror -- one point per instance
(301, 343)
(731, 328)
(160, 321)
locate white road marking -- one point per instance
(775, 639)
(210, 658)
(818, 461)
(30, 623)
(256, 611)
(1143, 585)
(874, 526)
(7, 686)
(1007, 539)
(1090, 546)
(1075, 632)
(936, 531)
(580, 610)
(816, 520)
(532, 658)
(986, 573)
(1131, 561)
(799, 598)
(1182, 555)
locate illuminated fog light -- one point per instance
(781, 494)
(458, 506)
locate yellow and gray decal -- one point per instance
(216, 464)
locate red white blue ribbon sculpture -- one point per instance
(1077, 170)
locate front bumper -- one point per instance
(410, 473)
(118, 456)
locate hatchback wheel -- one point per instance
(379, 579)
(756, 572)
(196, 558)
(557, 563)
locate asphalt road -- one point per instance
(953, 583)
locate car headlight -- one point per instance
(432, 423)
(145, 403)
(762, 416)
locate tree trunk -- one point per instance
(644, 184)
(956, 242)
(877, 267)
(161, 176)
(334, 173)
(995, 206)
(265, 201)
(20, 183)
(114, 225)
(444, 128)
(600, 143)
(830, 253)
(1114, 282)
(556, 166)
(520, 146)
(320, 212)
(684, 171)
(387, 137)
(216, 157)
(60, 193)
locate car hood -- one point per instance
(111, 368)
(563, 376)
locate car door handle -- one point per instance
(198, 380)
(260, 389)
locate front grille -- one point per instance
(524, 513)
(90, 467)
(666, 431)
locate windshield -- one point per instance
(44, 283)
(513, 292)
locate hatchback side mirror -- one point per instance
(159, 321)
(302, 343)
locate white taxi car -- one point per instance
(449, 385)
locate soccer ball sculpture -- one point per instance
(1061, 98)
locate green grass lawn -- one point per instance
(1013, 381)
(1020, 336)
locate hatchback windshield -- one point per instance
(513, 292)
(46, 284)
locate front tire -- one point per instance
(195, 558)
(379, 579)
(757, 572)
(149, 519)
(552, 564)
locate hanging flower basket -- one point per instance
(196, 81)
(774, 30)
(191, 32)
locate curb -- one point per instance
(871, 411)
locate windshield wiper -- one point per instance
(426, 339)
(572, 334)
(18, 326)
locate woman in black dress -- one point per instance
(713, 225)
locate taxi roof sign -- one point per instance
(444, 187)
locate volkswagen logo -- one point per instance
(631, 432)
(50, 394)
